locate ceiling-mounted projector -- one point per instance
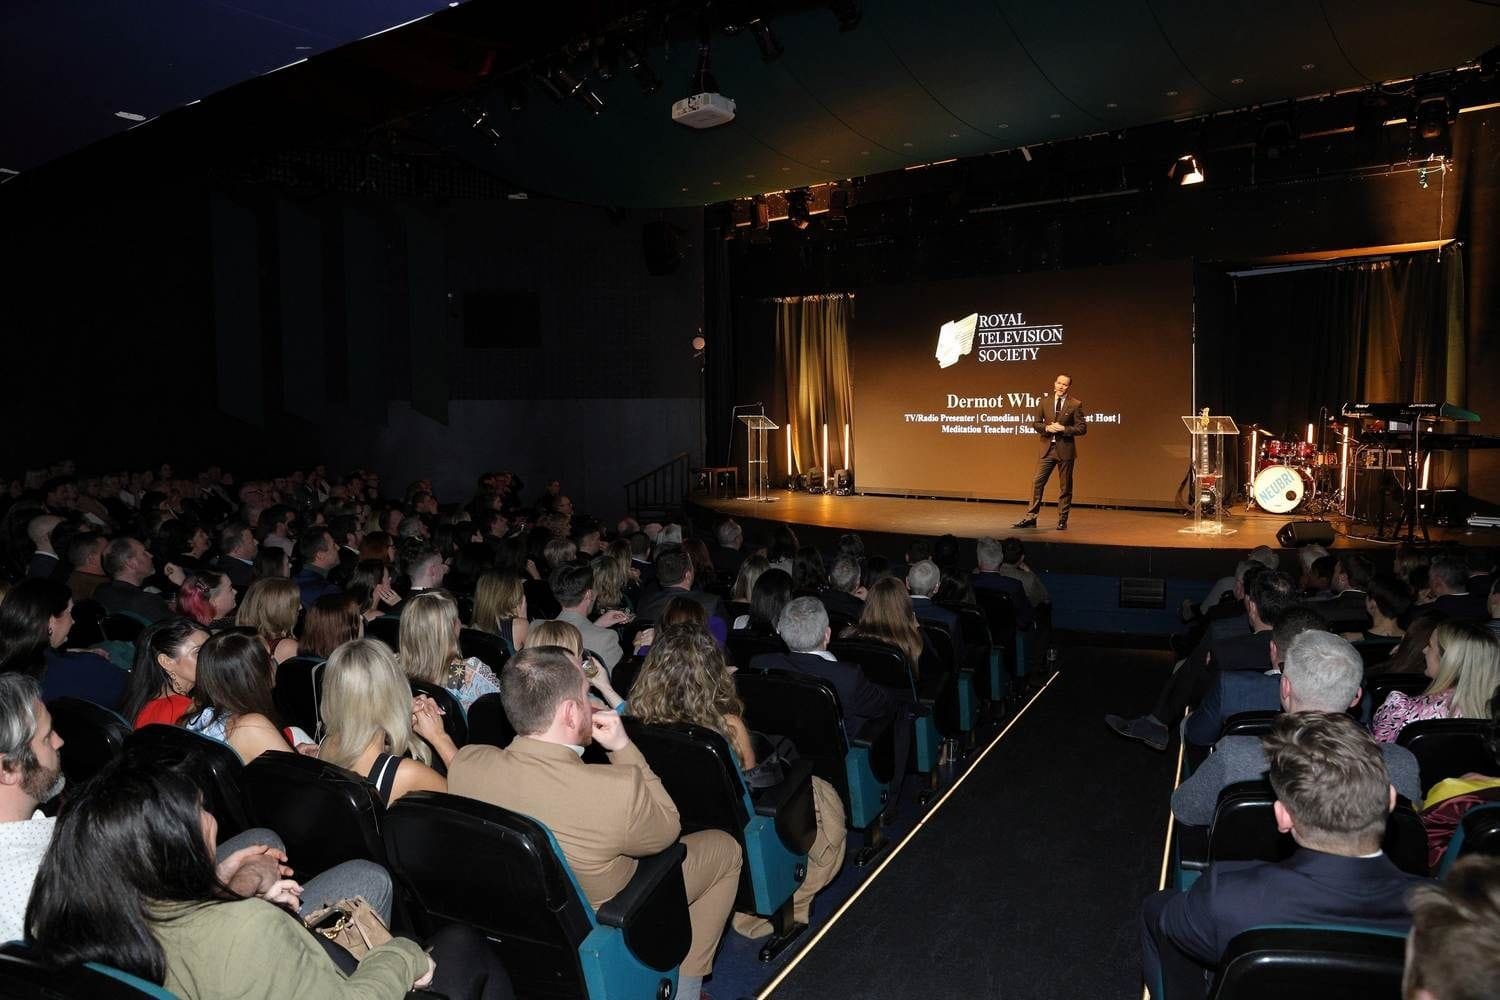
(703, 110)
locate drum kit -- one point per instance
(1293, 477)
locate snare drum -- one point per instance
(1281, 489)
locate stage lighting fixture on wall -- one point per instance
(1277, 139)
(796, 209)
(765, 38)
(1185, 170)
(1428, 125)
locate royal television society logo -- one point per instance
(1001, 337)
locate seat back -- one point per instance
(1244, 829)
(1380, 686)
(386, 628)
(488, 722)
(1448, 748)
(121, 626)
(1478, 832)
(455, 720)
(23, 978)
(1373, 654)
(298, 692)
(1256, 723)
(87, 629)
(1000, 613)
(624, 674)
(92, 736)
(540, 604)
(745, 646)
(881, 662)
(214, 767)
(488, 647)
(1311, 963)
(325, 814)
(940, 643)
(838, 622)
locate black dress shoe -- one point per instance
(1025, 522)
(1062, 525)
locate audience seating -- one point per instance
(955, 699)
(1000, 613)
(488, 722)
(486, 646)
(92, 736)
(324, 814)
(386, 628)
(23, 978)
(986, 659)
(1311, 963)
(804, 709)
(298, 693)
(886, 665)
(1448, 748)
(1373, 654)
(775, 827)
(214, 766)
(122, 626)
(455, 720)
(1256, 723)
(87, 629)
(1478, 832)
(623, 676)
(1380, 686)
(744, 646)
(525, 899)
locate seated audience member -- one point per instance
(1349, 584)
(990, 575)
(889, 617)
(1321, 674)
(35, 619)
(640, 557)
(1448, 578)
(1224, 587)
(744, 582)
(45, 563)
(1453, 951)
(1333, 795)
(1410, 654)
(429, 648)
(331, 621)
(768, 596)
(559, 635)
(165, 670)
(232, 697)
(922, 581)
(378, 545)
(369, 582)
(374, 726)
(573, 586)
(603, 816)
(424, 568)
(808, 576)
(1463, 663)
(1449, 799)
(320, 557)
(611, 582)
(559, 552)
(130, 880)
(704, 573)
(270, 607)
(127, 564)
(727, 555)
(844, 595)
(500, 608)
(1317, 580)
(86, 556)
(1234, 691)
(1268, 596)
(685, 679)
(208, 598)
(271, 563)
(674, 575)
(31, 768)
(1387, 602)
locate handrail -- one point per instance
(660, 490)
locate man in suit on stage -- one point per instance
(604, 816)
(1057, 422)
(1333, 795)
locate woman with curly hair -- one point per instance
(685, 679)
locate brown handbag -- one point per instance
(352, 924)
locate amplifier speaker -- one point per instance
(1295, 533)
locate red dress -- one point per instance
(165, 710)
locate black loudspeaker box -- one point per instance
(1295, 533)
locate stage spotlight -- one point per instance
(796, 209)
(1428, 124)
(1277, 139)
(568, 83)
(1185, 170)
(848, 13)
(648, 81)
(765, 38)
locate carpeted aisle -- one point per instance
(1026, 883)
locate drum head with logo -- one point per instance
(1279, 489)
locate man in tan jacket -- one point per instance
(604, 818)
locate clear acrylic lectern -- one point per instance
(1208, 434)
(756, 428)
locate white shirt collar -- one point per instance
(825, 654)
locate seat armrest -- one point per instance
(879, 739)
(1192, 847)
(789, 804)
(768, 801)
(652, 911)
(653, 876)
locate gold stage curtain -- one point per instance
(812, 358)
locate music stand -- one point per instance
(756, 428)
(1208, 434)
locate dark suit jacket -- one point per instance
(1010, 587)
(314, 585)
(657, 602)
(727, 560)
(843, 602)
(861, 701)
(1310, 887)
(46, 567)
(1465, 607)
(1074, 426)
(927, 611)
(239, 573)
(1245, 652)
(1231, 693)
(1344, 613)
(116, 596)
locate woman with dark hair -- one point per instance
(469, 563)
(165, 670)
(500, 608)
(370, 583)
(1387, 602)
(232, 697)
(888, 617)
(129, 880)
(378, 545)
(772, 593)
(35, 620)
(331, 621)
(808, 574)
(704, 572)
(208, 598)
(271, 563)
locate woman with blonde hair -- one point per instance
(429, 648)
(565, 636)
(371, 719)
(888, 617)
(744, 583)
(500, 608)
(685, 679)
(1463, 662)
(610, 579)
(270, 607)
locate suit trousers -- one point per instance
(711, 873)
(1044, 467)
(823, 861)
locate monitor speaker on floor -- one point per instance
(1295, 533)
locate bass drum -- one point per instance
(1281, 489)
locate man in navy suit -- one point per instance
(922, 581)
(1234, 691)
(1449, 579)
(1057, 421)
(1333, 795)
